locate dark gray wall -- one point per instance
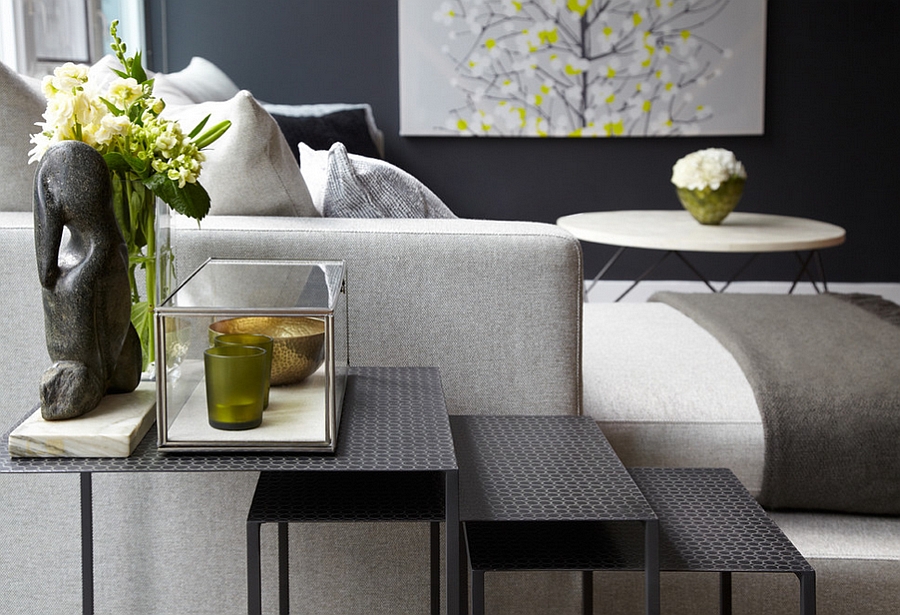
(829, 150)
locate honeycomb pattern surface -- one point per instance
(710, 523)
(394, 419)
(541, 468)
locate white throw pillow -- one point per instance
(200, 81)
(21, 106)
(359, 187)
(314, 168)
(250, 170)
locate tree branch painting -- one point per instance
(582, 68)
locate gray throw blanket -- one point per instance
(825, 370)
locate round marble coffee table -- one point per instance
(675, 231)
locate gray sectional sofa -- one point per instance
(497, 306)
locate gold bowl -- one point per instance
(298, 348)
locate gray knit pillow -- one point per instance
(359, 187)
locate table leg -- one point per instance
(804, 268)
(587, 592)
(284, 576)
(651, 565)
(737, 273)
(478, 592)
(807, 592)
(603, 271)
(724, 593)
(452, 537)
(87, 544)
(695, 271)
(463, 570)
(254, 574)
(435, 568)
(644, 275)
(821, 271)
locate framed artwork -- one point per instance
(582, 68)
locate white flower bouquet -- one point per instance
(709, 183)
(148, 156)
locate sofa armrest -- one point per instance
(21, 319)
(495, 305)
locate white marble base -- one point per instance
(112, 429)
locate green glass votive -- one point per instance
(235, 386)
(251, 339)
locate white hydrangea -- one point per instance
(707, 168)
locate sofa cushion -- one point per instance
(666, 393)
(333, 111)
(250, 169)
(360, 187)
(21, 106)
(320, 132)
(200, 81)
(314, 168)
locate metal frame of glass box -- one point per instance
(231, 288)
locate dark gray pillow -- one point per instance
(347, 126)
(359, 187)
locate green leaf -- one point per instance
(121, 74)
(142, 319)
(112, 108)
(212, 134)
(137, 71)
(199, 127)
(191, 201)
(123, 163)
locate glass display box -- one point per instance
(302, 306)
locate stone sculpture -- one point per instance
(86, 296)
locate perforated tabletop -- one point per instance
(542, 468)
(394, 420)
(710, 523)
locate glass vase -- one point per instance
(144, 221)
(710, 206)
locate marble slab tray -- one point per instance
(112, 429)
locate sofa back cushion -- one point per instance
(249, 170)
(21, 106)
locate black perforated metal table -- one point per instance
(394, 462)
(394, 420)
(549, 493)
(710, 523)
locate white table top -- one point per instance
(677, 230)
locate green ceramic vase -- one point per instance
(712, 206)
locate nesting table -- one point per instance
(514, 493)
(394, 431)
(549, 493)
(675, 232)
(395, 461)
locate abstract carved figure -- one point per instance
(86, 296)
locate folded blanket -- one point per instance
(826, 376)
